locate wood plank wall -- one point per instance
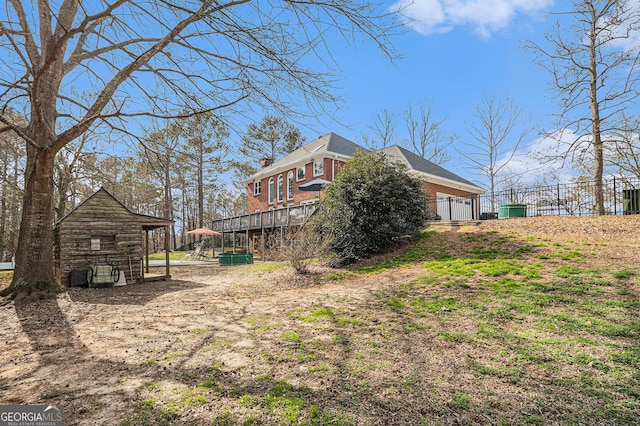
(99, 217)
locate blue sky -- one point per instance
(453, 52)
(475, 49)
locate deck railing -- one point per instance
(292, 215)
(621, 197)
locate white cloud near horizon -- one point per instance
(540, 160)
(485, 16)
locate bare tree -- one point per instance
(72, 165)
(595, 71)
(76, 64)
(625, 155)
(383, 130)
(11, 188)
(302, 245)
(498, 128)
(425, 133)
(161, 151)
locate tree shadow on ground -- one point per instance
(61, 368)
(132, 294)
(360, 360)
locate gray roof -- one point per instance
(334, 145)
(419, 164)
(324, 146)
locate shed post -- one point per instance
(166, 251)
(146, 248)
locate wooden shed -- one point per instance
(102, 228)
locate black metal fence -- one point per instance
(621, 196)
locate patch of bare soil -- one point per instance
(616, 239)
(258, 344)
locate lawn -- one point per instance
(513, 324)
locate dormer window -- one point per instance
(318, 168)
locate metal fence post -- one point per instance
(558, 194)
(473, 207)
(615, 201)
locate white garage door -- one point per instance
(453, 207)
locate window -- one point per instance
(290, 186)
(300, 173)
(257, 188)
(318, 168)
(280, 188)
(270, 190)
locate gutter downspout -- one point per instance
(333, 168)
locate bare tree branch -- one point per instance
(594, 67)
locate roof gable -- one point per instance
(330, 144)
(100, 196)
(104, 198)
(419, 164)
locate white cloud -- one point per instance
(540, 161)
(626, 35)
(485, 16)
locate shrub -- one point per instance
(370, 206)
(304, 244)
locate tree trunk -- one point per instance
(168, 201)
(201, 187)
(34, 254)
(598, 203)
(3, 212)
(598, 167)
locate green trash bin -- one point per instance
(225, 259)
(512, 210)
(631, 201)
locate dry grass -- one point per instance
(513, 322)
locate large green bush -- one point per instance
(370, 205)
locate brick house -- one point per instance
(275, 199)
(276, 185)
(450, 196)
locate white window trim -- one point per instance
(314, 168)
(271, 190)
(290, 185)
(280, 189)
(257, 185)
(304, 173)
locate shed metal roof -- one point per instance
(147, 222)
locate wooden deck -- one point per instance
(293, 215)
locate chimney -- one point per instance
(266, 162)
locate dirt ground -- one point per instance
(108, 354)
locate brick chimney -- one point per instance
(266, 162)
